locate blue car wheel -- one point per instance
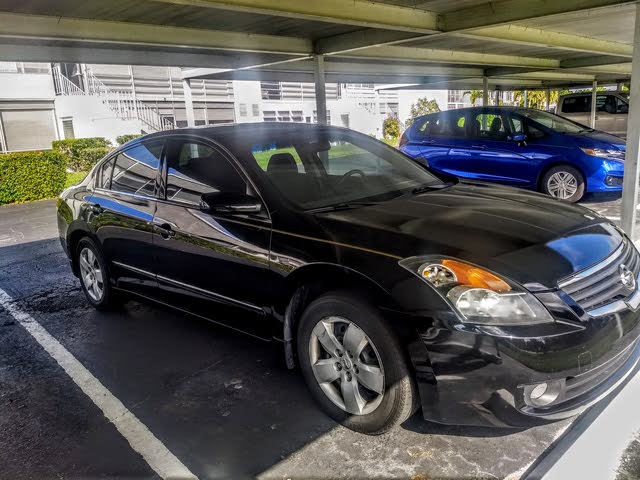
(564, 182)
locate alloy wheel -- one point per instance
(91, 274)
(562, 185)
(346, 365)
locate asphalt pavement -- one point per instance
(222, 403)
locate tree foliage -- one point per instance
(422, 106)
(391, 127)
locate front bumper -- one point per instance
(467, 378)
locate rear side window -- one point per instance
(450, 124)
(135, 169)
(577, 104)
(103, 175)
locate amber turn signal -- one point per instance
(471, 276)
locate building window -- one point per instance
(27, 129)
(269, 116)
(255, 110)
(243, 109)
(67, 128)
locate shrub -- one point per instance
(76, 150)
(28, 176)
(122, 139)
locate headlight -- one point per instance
(602, 153)
(479, 296)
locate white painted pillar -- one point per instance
(526, 98)
(485, 91)
(630, 182)
(594, 93)
(188, 102)
(321, 94)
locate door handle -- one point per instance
(165, 230)
(96, 208)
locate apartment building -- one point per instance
(43, 102)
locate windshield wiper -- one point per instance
(428, 188)
(341, 206)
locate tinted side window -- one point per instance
(576, 104)
(103, 175)
(490, 126)
(135, 169)
(196, 168)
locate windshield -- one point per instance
(334, 167)
(554, 122)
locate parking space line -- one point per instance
(141, 439)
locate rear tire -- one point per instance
(366, 385)
(564, 182)
(94, 276)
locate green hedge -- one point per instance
(28, 176)
(82, 153)
(122, 139)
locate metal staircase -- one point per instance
(123, 104)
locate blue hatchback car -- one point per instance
(520, 147)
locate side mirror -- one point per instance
(228, 202)
(518, 137)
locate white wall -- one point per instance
(92, 118)
(26, 86)
(247, 93)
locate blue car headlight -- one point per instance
(611, 154)
(479, 297)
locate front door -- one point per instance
(205, 259)
(122, 206)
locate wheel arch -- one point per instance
(313, 280)
(556, 163)
(76, 233)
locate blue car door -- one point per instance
(428, 145)
(444, 146)
(490, 153)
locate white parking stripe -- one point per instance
(141, 439)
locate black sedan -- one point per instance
(390, 287)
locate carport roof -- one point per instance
(440, 43)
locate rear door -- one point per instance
(491, 156)
(446, 147)
(429, 143)
(576, 108)
(122, 208)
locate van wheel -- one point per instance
(94, 277)
(564, 182)
(353, 364)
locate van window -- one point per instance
(577, 104)
(611, 104)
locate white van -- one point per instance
(612, 110)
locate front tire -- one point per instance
(94, 276)
(564, 182)
(353, 364)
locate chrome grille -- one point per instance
(601, 285)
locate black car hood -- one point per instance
(533, 239)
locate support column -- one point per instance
(485, 91)
(630, 182)
(526, 98)
(547, 99)
(592, 118)
(188, 102)
(321, 94)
